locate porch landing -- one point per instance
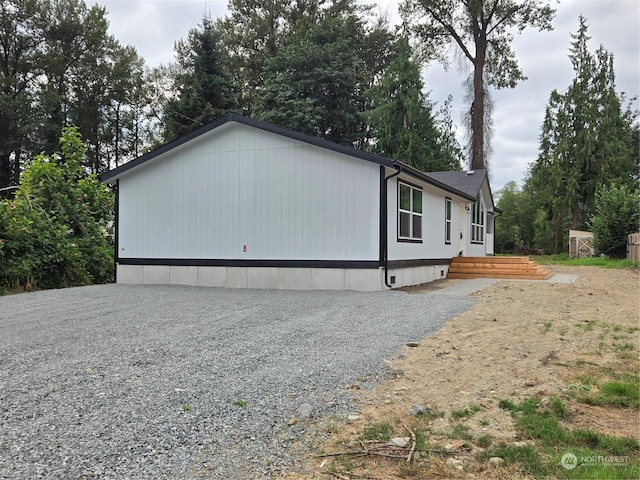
(515, 268)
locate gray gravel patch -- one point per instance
(467, 287)
(139, 382)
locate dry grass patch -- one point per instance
(533, 371)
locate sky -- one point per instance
(153, 26)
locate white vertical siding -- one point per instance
(480, 249)
(433, 224)
(239, 186)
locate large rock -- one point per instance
(305, 411)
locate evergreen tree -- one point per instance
(126, 112)
(58, 66)
(203, 86)
(313, 84)
(21, 34)
(269, 41)
(586, 142)
(617, 214)
(401, 119)
(252, 34)
(448, 140)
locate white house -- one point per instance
(244, 204)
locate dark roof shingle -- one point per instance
(468, 182)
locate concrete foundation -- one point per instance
(364, 280)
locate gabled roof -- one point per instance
(436, 179)
(469, 182)
(232, 117)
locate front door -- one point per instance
(464, 218)
(489, 239)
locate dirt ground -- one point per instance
(521, 339)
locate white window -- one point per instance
(477, 222)
(447, 221)
(409, 212)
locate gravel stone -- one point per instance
(418, 409)
(165, 382)
(305, 411)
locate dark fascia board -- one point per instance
(493, 202)
(231, 262)
(111, 175)
(436, 183)
(486, 178)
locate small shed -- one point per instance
(633, 247)
(580, 244)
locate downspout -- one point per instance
(385, 225)
(115, 232)
(495, 215)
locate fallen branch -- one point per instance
(340, 454)
(335, 475)
(394, 452)
(413, 443)
(348, 476)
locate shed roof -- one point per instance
(439, 179)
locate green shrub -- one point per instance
(56, 231)
(617, 214)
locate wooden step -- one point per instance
(517, 268)
(512, 276)
(493, 260)
(499, 266)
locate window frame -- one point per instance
(477, 222)
(413, 215)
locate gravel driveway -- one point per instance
(116, 381)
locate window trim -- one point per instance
(478, 222)
(412, 214)
(448, 224)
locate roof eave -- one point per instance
(426, 178)
(112, 175)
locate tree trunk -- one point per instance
(5, 170)
(575, 221)
(557, 241)
(117, 138)
(477, 107)
(16, 167)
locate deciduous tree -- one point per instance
(59, 65)
(55, 232)
(483, 31)
(312, 84)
